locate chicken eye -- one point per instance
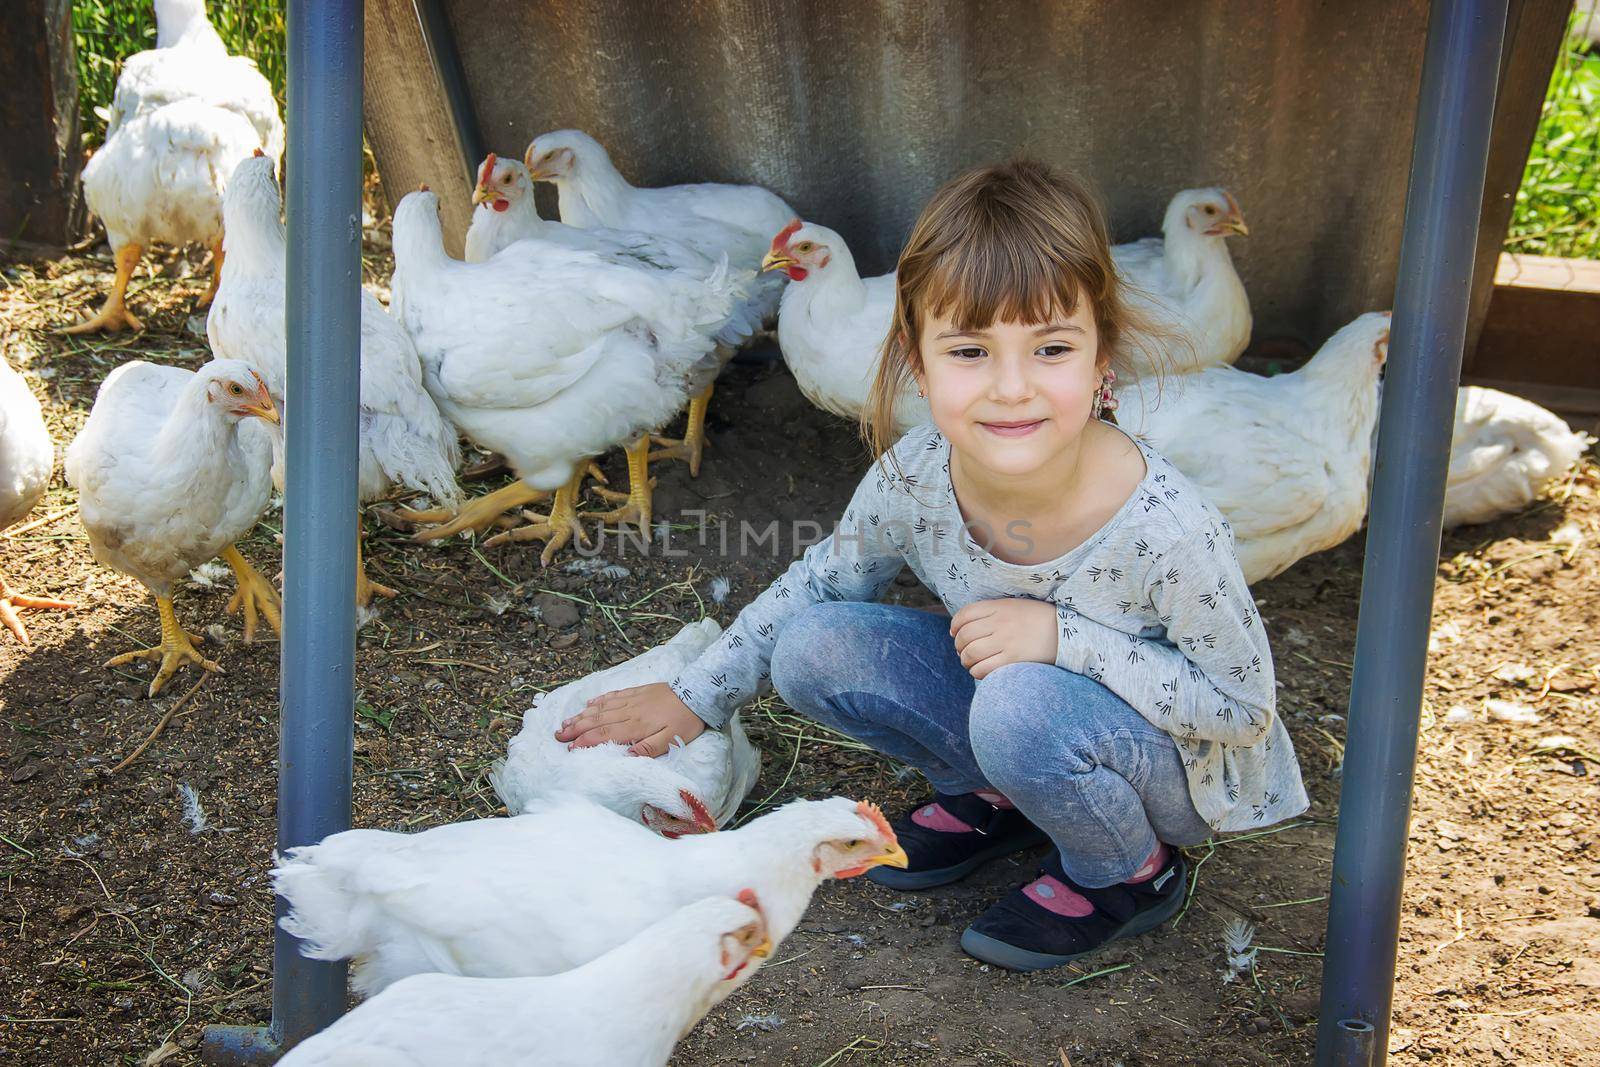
(852, 844)
(1211, 209)
(804, 246)
(505, 179)
(235, 388)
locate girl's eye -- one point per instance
(968, 354)
(1055, 351)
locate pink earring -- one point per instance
(1105, 401)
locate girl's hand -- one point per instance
(646, 718)
(992, 633)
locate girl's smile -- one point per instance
(1012, 429)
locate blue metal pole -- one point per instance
(1454, 113)
(321, 402)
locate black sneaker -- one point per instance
(939, 857)
(1021, 935)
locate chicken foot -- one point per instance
(11, 600)
(693, 444)
(114, 315)
(366, 588)
(254, 594)
(176, 648)
(555, 529)
(477, 515)
(216, 276)
(637, 501)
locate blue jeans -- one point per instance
(1086, 768)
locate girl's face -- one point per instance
(1013, 397)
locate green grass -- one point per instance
(1558, 205)
(107, 31)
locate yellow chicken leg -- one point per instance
(114, 315)
(636, 502)
(216, 275)
(366, 588)
(554, 529)
(254, 594)
(477, 515)
(11, 600)
(176, 648)
(694, 435)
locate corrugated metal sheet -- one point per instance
(856, 111)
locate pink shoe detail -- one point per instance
(999, 800)
(1057, 897)
(935, 817)
(1158, 859)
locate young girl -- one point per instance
(1103, 681)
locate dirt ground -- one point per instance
(126, 931)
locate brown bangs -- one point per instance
(995, 277)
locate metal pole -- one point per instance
(321, 402)
(1454, 113)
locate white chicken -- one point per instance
(403, 440)
(553, 889)
(664, 979)
(505, 214)
(168, 479)
(1505, 452)
(1284, 459)
(692, 788)
(1184, 282)
(832, 323)
(184, 112)
(549, 356)
(732, 220)
(26, 458)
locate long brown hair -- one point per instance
(1010, 242)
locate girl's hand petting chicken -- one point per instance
(646, 718)
(992, 633)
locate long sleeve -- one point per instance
(1211, 678)
(856, 562)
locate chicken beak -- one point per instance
(1235, 224)
(534, 173)
(480, 195)
(895, 857)
(777, 261)
(763, 950)
(262, 407)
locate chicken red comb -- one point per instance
(422, 187)
(780, 241)
(1233, 205)
(488, 168)
(259, 153)
(748, 898)
(873, 814)
(702, 816)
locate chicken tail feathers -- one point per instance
(331, 921)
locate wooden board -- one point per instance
(407, 117)
(1543, 326)
(41, 200)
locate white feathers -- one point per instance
(832, 325)
(717, 769)
(549, 355)
(1290, 473)
(184, 113)
(167, 474)
(1504, 453)
(1184, 282)
(404, 441)
(26, 452)
(193, 814)
(628, 1008)
(1237, 950)
(720, 587)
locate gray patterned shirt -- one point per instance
(1152, 606)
